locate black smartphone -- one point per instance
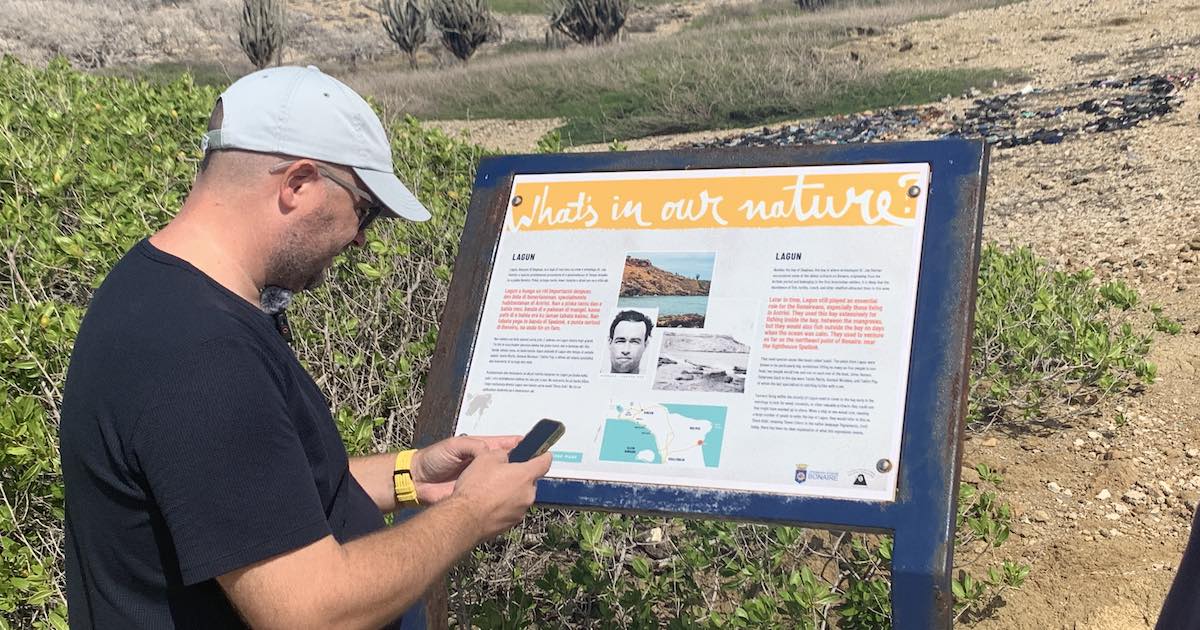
(540, 438)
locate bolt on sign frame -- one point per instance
(922, 515)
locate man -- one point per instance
(627, 338)
(206, 484)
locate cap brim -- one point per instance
(394, 196)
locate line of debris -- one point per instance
(1029, 116)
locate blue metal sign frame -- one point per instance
(922, 518)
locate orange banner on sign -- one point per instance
(806, 199)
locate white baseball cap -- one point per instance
(305, 113)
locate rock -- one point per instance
(1040, 516)
(1120, 508)
(1104, 495)
(990, 442)
(969, 475)
(1166, 488)
(657, 551)
(1134, 497)
(641, 277)
(1054, 487)
(1115, 454)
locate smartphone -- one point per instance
(540, 438)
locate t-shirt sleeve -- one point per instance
(224, 462)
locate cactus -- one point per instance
(262, 31)
(465, 25)
(405, 24)
(589, 21)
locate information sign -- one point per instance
(775, 335)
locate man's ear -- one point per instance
(299, 185)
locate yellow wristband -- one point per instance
(406, 490)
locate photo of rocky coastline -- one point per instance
(701, 362)
(675, 283)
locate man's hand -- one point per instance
(436, 468)
(496, 492)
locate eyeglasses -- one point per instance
(366, 214)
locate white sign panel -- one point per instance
(743, 329)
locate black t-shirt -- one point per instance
(1181, 610)
(193, 443)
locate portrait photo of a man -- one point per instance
(628, 336)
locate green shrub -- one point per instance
(561, 570)
(1048, 339)
(1119, 294)
(1165, 324)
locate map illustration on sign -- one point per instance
(663, 433)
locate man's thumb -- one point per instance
(540, 465)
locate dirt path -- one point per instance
(1124, 204)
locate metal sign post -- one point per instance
(922, 515)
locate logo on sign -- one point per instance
(801, 473)
(861, 477)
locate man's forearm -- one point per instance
(368, 581)
(383, 574)
(374, 474)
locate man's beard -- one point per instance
(299, 265)
(297, 270)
